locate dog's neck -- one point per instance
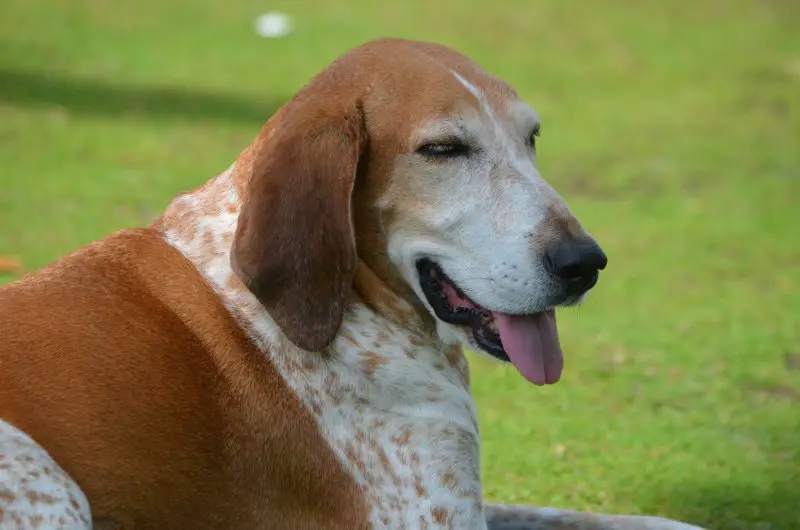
(202, 223)
(385, 385)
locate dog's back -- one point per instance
(122, 364)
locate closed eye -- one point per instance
(535, 133)
(449, 148)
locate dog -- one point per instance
(282, 348)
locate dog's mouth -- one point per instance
(529, 342)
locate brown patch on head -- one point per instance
(422, 88)
(295, 247)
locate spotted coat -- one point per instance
(393, 404)
(35, 493)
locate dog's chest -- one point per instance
(399, 415)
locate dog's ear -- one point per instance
(294, 246)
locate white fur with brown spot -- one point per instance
(34, 491)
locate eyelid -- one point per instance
(445, 140)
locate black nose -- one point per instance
(577, 263)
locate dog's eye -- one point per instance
(535, 133)
(450, 148)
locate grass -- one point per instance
(673, 129)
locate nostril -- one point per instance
(601, 260)
(575, 261)
(575, 271)
(549, 264)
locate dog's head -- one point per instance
(411, 156)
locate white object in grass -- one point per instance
(273, 25)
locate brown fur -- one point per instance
(289, 257)
(121, 361)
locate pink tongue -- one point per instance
(531, 343)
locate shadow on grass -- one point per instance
(90, 96)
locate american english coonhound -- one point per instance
(282, 348)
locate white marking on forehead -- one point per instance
(481, 98)
(514, 103)
(472, 88)
(501, 134)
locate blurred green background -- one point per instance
(671, 127)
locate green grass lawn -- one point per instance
(672, 128)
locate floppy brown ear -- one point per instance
(294, 246)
